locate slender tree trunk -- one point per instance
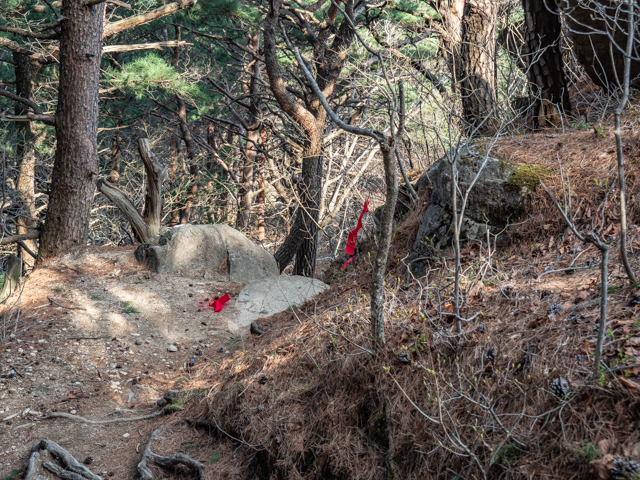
(26, 72)
(262, 195)
(477, 79)
(382, 254)
(250, 160)
(545, 69)
(76, 158)
(116, 156)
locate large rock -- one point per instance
(496, 200)
(195, 247)
(268, 296)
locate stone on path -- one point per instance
(268, 296)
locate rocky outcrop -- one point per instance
(196, 247)
(496, 200)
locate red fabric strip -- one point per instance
(353, 234)
(346, 264)
(218, 304)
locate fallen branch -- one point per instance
(170, 461)
(27, 328)
(17, 238)
(76, 418)
(64, 306)
(68, 461)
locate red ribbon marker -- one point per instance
(346, 264)
(353, 234)
(218, 304)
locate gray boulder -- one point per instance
(496, 200)
(195, 247)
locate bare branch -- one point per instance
(143, 46)
(25, 101)
(28, 33)
(147, 17)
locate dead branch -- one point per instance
(18, 238)
(169, 461)
(64, 306)
(28, 33)
(31, 117)
(15, 47)
(147, 17)
(143, 46)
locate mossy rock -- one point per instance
(496, 200)
(526, 177)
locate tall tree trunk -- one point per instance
(477, 79)
(545, 71)
(185, 212)
(592, 25)
(26, 72)
(251, 89)
(76, 159)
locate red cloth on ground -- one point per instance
(218, 304)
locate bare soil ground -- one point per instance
(98, 341)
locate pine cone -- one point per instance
(624, 469)
(404, 358)
(555, 308)
(490, 355)
(573, 319)
(560, 387)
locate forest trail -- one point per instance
(106, 333)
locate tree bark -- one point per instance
(477, 79)
(545, 70)
(26, 72)
(592, 31)
(76, 158)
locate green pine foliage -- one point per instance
(150, 73)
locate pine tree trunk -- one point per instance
(26, 72)
(76, 159)
(591, 29)
(302, 239)
(477, 55)
(545, 71)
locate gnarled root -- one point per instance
(170, 461)
(73, 470)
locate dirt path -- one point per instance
(129, 335)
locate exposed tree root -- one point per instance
(170, 461)
(73, 470)
(76, 418)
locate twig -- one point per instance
(64, 306)
(30, 326)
